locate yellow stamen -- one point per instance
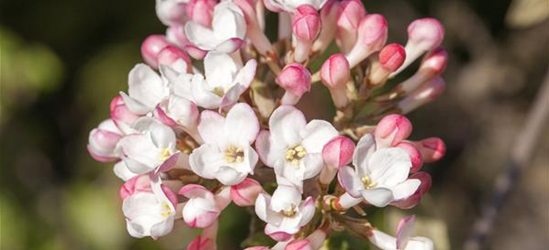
(234, 154)
(368, 183)
(166, 210)
(164, 154)
(290, 212)
(295, 154)
(218, 91)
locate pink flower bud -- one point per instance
(426, 93)
(201, 11)
(423, 35)
(328, 15)
(150, 48)
(432, 149)
(391, 58)
(334, 74)
(372, 35)
(414, 153)
(253, 27)
(245, 193)
(415, 198)
(103, 140)
(121, 115)
(170, 12)
(296, 80)
(142, 183)
(305, 27)
(391, 130)
(432, 66)
(313, 242)
(348, 18)
(175, 58)
(338, 152)
(201, 243)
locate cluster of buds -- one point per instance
(209, 119)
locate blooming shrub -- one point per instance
(188, 142)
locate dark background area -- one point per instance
(63, 60)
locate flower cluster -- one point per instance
(209, 119)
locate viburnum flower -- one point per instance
(103, 141)
(291, 5)
(403, 240)
(149, 207)
(380, 176)
(122, 116)
(203, 207)
(284, 212)
(152, 148)
(227, 31)
(223, 84)
(226, 154)
(171, 12)
(293, 147)
(146, 90)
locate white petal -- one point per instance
(316, 134)
(382, 240)
(134, 105)
(219, 70)
(261, 204)
(263, 146)
(201, 36)
(203, 96)
(420, 243)
(162, 136)
(286, 123)
(378, 197)
(146, 86)
(405, 189)
(404, 231)
(364, 148)
(312, 162)
(307, 209)
(228, 21)
(121, 171)
(210, 127)
(292, 174)
(350, 181)
(229, 176)
(241, 124)
(246, 75)
(389, 166)
(285, 198)
(206, 160)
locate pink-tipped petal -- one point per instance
(372, 35)
(338, 152)
(175, 58)
(230, 46)
(245, 193)
(432, 149)
(414, 153)
(201, 11)
(348, 18)
(426, 93)
(150, 48)
(392, 129)
(196, 52)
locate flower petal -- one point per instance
(316, 134)
(286, 124)
(206, 160)
(405, 189)
(420, 243)
(389, 166)
(210, 127)
(229, 176)
(350, 181)
(404, 231)
(382, 240)
(378, 197)
(241, 124)
(365, 147)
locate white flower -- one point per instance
(284, 212)
(403, 241)
(151, 149)
(380, 176)
(146, 89)
(203, 207)
(293, 147)
(291, 5)
(223, 85)
(148, 206)
(227, 32)
(226, 154)
(122, 171)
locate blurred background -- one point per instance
(63, 60)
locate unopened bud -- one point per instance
(170, 12)
(201, 11)
(414, 154)
(328, 16)
(423, 35)
(337, 153)
(372, 35)
(245, 193)
(432, 149)
(296, 80)
(150, 48)
(313, 242)
(391, 58)
(174, 58)
(121, 115)
(103, 140)
(391, 130)
(305, 27)
(335, 73)
(348, 18)
(426, 93)
(432, 66)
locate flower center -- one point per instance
(166, 210)
(290, 212)
(368, 182)
(295, 154)
(234, 154)
(218, 91)
(164, 154)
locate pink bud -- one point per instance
(426, 93)
(334, 74)
(142, 183)
(170, 12)
(305, 27)
(296, 80)
(175, 58)
(415, 198)
(338, 152)
(201, 11)
(102, 141)
(432, 66)
(313, 242)
(391, 58)
(391, 130)
(423, 35)
(245, 193)
(254, 32)
(150, 48)
(348, 18)
(432, 149)
(121, 115)
(372, 35)
(328, 15)
(414, 153)
(201, 243)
